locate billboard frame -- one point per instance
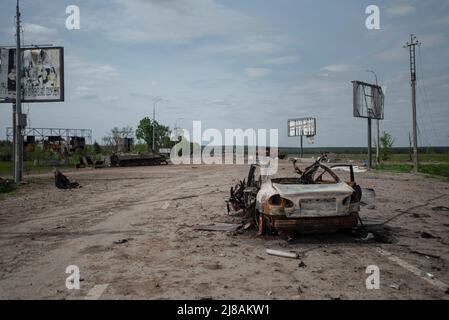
(62, 74)
(301, 119)
(373, 86)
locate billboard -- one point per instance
(302, 127)
(42, 78)
(368, 100)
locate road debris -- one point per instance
(426, 235)
(284, 254)
(219, 227)
(427, 255)
(368, 199)
(137, 159)
(248, 225)
(62, 182)
(368, 237)
(122, 241)
(395, 286)
(440, 208)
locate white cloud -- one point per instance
(33, 33)
(84, 93)
(336, 68)
(431, 40)
(89, 71)
(257, 72)
(392, 54)
(36, 29)
(400, 10)
(282, 60)
(397, 52)
(174, 21)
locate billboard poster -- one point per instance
(368, 100)
(302, 127)
(7, 73)
(43, 74)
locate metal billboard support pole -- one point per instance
(377, 123)
(14, 137)
(18, 149)
(412, 46)
(378, 143)
(302, 150)
(370, 161)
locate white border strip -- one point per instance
(434, 282)
(96, 292)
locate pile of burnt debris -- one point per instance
(313, 200)
(62, 182)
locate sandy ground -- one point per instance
(43, 230)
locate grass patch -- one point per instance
(435, 170)
(7, 186)
(6, 168)
(441, 170)
(403, 168)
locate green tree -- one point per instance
(97, 148)
(386, 142)
(113, 138)
(161, 134)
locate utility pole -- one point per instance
(18, 149)
(412, 47)
(378, 131)
(14, 137)
(370, 157)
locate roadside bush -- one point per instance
(386, 142)
(6, 186)
(5, 151)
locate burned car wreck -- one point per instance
(316, 200)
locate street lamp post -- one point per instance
(377, 122)
(154, 119)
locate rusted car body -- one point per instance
(317, 200)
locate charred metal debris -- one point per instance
(315, 200)
(62, 182)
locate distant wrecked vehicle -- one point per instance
(317, 200)
(137, 159)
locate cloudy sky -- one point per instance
(240, 64)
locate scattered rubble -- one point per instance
(284, 254)
(122, 241)
(62, 182)
(440, 208)
(220, 227)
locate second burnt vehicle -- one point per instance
(315, 200)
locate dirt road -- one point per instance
(129, 230)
